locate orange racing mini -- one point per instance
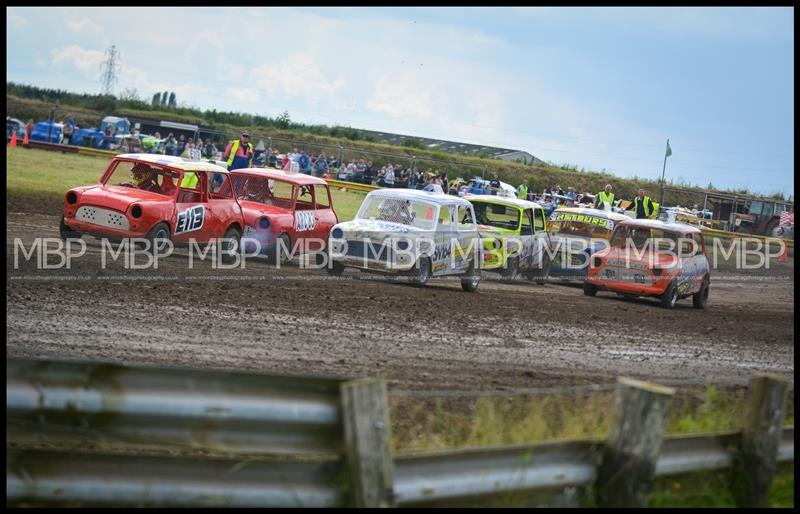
(652, 258)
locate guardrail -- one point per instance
(351, 186)
(238, 439)
(722, 234)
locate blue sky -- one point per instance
(600, 88)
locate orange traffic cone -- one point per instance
(784, 256)
(25, 139)
(13, 143)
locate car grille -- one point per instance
(374, 251)
(102, 217)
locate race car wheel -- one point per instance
(670, 297)
(334, 268)
(589, 289)
(471, 279)
(278, 253)
(158, 237)
(66, 232)
(511, 270)
(230, 245)
(421, 273)
(700, 298)
(541, 274)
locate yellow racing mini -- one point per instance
(514, 237)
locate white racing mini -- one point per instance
(412, 233)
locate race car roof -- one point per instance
(524, 204)
(416, 194)
(615, 216)
(173, 161)
(295, 178)
(661, 225)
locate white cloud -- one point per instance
(17, 20)
(299, 75)
(84, 25)
(245, 94)
(78, 57)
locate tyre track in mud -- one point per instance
(298, 321)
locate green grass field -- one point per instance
(42, 177)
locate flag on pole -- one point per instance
(669, 150)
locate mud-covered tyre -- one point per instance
(334, 268)
(66, 232)
(471, 279)
(159, 237)
(276, 256)
(700, 298)
(589, 289)
(670, 297)
(511, 270)
(541, 275)
(231, 242)
(419, 276)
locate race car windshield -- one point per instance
(144, 176)
(653, 239)
(399, 210)
(496, 215)
(263, 190)
(579, 229)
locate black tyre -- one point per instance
(700, 298)
(230, 245)
(419, 276)
(471, 279)
(511, 270)
(541, 275)
(278, 255)
(159, 237)
(589, 289)
(66, 232)
(670, 297)
(334, 268)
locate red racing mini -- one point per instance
(155, 197)
(292, 208)
(652, 258)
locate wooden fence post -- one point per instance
(628, 462)
(365, 408)
(755, 462)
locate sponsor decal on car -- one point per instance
(583, 218)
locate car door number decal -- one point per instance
(191, 219)
(304, 220)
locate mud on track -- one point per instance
(304, 322)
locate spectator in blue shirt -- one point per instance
(305, 163)
(321, 166)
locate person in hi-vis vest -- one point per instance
(644, 207)
(239, 153)
(604, 199)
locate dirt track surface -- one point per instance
(295, 321)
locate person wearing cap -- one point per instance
(239, 153)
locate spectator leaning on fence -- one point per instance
(321, 166)
(238, 153)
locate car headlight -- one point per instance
(337, 233)
(403, 245)
(136, 211)
(264, 222)
(72, 197)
